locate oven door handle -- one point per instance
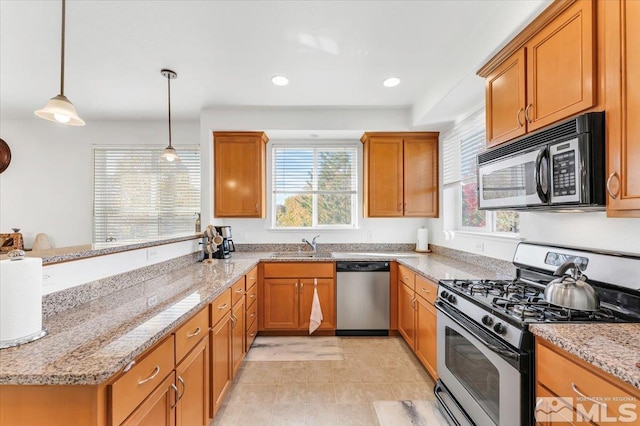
(514, 358)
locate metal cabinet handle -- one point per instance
(413, 306)
(238, 291)
(252, 334)
(611, 176)
(184, 387)
(575, 389)
(301, 287)
(256, 207)
(520, 111)
(252, 277)
(153, 375)
(526, 113)
(175, 389)
(223, 306)
(252, 295)
(195, 333)
(425, 290)
(399, 207)
(234, 321)
(253, 314)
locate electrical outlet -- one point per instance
(152, 253)
(479, 246)
(369, 236)
(152, 300)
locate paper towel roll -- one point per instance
(20, 298)
(422, 243)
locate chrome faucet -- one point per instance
(312, 244)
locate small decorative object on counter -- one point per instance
(16, 255)
(198, 223)
(12, 241)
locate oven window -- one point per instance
(474, 371)
(509, 182)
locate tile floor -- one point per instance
(270, 393)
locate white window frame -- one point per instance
(355, 196)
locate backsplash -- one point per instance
(348, 247)
(490, 263)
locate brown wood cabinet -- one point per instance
(220, 341)
(159, 407)
(239, 174)
(237, 336)
(560, 78)
(622, 69)
(598, 397)
(400, 174)
(287, 291)
(192, 381)
(251, 309)
(417, 316)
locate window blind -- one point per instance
(460, 147)
(138, 195)
(314, 185)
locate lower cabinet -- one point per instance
(159, 407)
(237, 336)
(220, 362)
(417, 321)
(192, 407)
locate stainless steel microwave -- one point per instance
(559, 167)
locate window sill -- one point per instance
(313, 229)
(488, 235)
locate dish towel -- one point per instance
(316, 309)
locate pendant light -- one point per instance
(59, 108)
(169, 153)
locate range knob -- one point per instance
(487, 320)
(451, 298)
(500, 328)
(444, 294)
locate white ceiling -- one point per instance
(335, 53)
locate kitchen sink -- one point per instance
(298, 255)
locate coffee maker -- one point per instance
(225, 249)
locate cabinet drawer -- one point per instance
(237, 291)
(252, 295)
(252, 314)
(136, 384)
(220, 306)
(566, 378)
(407, 276)
(299, 270)
(191, 332)
(252, 278)
(426, 289)
(252, 331)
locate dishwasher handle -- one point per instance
(362, 266)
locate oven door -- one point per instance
(483, 374)
(517, 181)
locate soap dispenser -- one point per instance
(198, 223)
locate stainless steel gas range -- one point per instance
(485, 350)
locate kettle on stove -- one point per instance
(571, 291)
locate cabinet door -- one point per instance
(426, 342)
(281, 303)
(326, 295)
(561, 67)
(220, 362)
(384, 172)
(406, 314)
(421, 177)
(622, 23)
(239, 170)
(193, 387)
(237, 336)
(158, 409)
(505, 90)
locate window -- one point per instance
(137, 195)
(314, 186)
(461, 145)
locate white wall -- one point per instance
(298, 123)
(48, 187)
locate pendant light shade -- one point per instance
(59, 108)
(169, 153)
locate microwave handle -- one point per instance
(543, 193)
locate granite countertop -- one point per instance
(614, 348)
(88, 344)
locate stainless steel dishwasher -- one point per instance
(362, 298)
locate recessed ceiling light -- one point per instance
(391, 82)
(279, 80)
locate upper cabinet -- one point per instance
(239, 174)
(546, 74)
(622, 70)
(400, 174)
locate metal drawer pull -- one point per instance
(153, 375)
(234, 321)
(301, 286)
(175, 389)
(520, 111)
(184, 388)
(223, 306)
(252, 334)
(252, 277)
(195, 333)
(129, 366)
(239, 290)
(611, 194)
(253, 314)
(575, 389)
(252, 295)
(425, 290)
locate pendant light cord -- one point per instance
(169, 91)
(62, 50)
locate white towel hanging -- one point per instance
(316, 310)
